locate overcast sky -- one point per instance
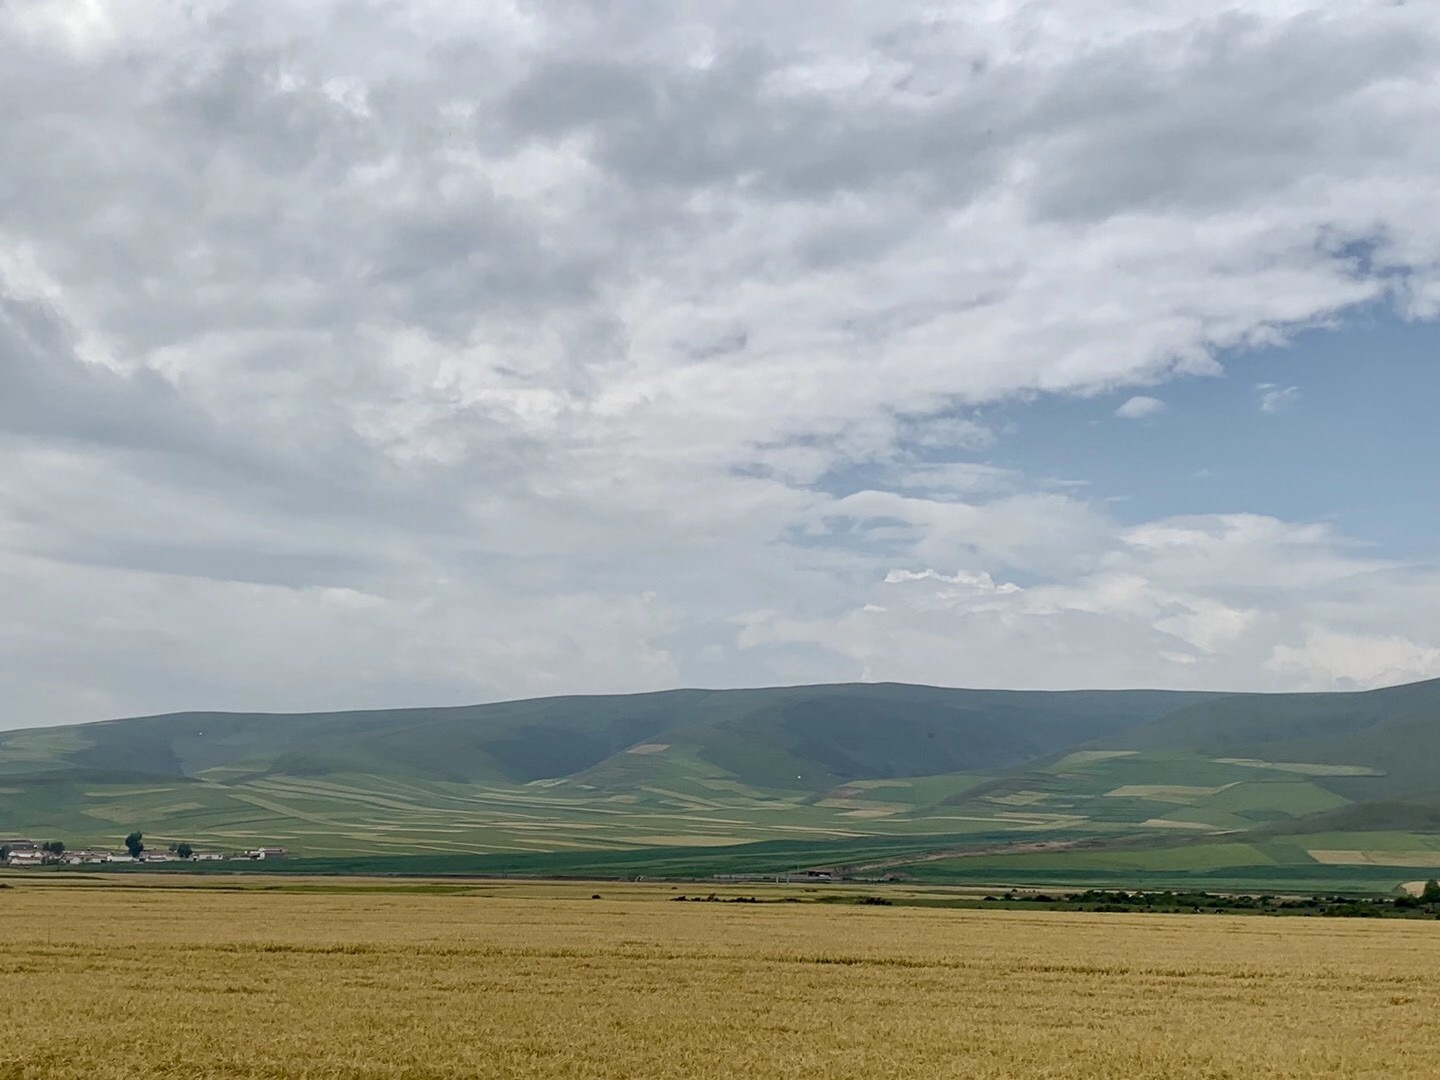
(363, 353)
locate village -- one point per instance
(21, 853)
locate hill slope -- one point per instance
(1394, 731)
(833, 733)
(547, 773)
(910, 765)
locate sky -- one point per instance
(360, 354)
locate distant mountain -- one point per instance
(887, 763)
(820, 734)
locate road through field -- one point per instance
(297, 979)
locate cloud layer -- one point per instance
(356, 354)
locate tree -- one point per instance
(184, 850)
(133, 844)
(53, 847)
(4, 854)
(1431, 892)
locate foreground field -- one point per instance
(356, 979)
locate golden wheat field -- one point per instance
(513, 980)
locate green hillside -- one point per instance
(709, 767)
(820, 734)
(1394, 731)
(1092, 781)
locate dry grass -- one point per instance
(542, 981)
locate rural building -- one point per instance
(82, 857)
(266, 853)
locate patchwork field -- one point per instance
(664, 797)
(346, 978)
(1258, 792)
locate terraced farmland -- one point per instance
(769, 780)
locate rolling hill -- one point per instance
(924, 770)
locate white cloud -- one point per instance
(1327, 658)
(1274, 399)
(360, 355)
(980, 582)
(1140, 407)
(1222, 601)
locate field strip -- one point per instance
(1301, 767)
(688, 840)
(325, 785)
(1020, 798)
(544, 826)
(388, 784)
(1166, 792)
(281, 808)
(280, 785)
(1086, 757)
(1161, 823)
(377, 801)
(691, 802)
(116, 815)
(483, 795)
(566, 845)
(689, 819)
(735, 786)
(1335, 857)
(175, 808)
(125, 793)
(862, 804)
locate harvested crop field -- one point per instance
(328, 978)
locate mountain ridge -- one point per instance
(891, 762)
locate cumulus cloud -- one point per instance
(367, 354)
(1354, 660)
(1191, 602)
(1140, 407)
